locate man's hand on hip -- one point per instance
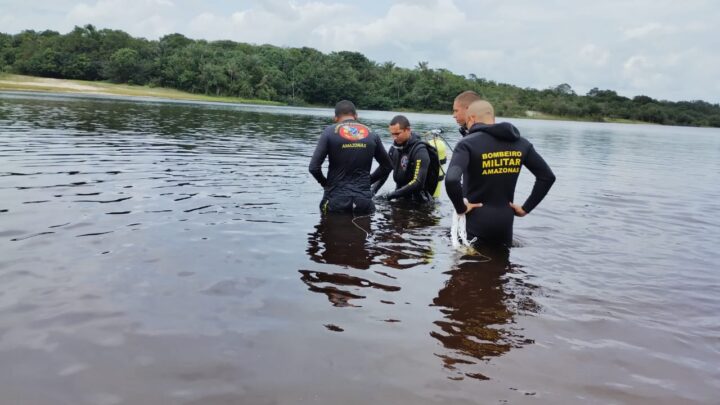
(519, 211)
(470, 206)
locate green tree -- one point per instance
(45, 63)
(122, 65)
(7, 56)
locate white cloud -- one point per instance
(647, 30)
(333, 26)
(640, 73)
(476, 56)
(672, 76)
(636, 63)
(137, 17)
(6, 19)
(594, 55)
(286, 24)
(414, 22)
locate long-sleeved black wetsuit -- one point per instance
(410, 163)
(351, 147)
(491, 156)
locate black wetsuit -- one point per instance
(492, 156)
(410, 163)
(463, 132)
(351, 147)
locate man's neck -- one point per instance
(346, 118)
(471, 124)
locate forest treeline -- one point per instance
(301, 76)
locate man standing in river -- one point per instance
(460, 105)
(489, 159)
(410, 159)
(351, 147)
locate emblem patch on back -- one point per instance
(353, 132)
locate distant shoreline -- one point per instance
(82, 87)
(12, 82)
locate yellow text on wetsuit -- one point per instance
(502, 162)
(354, 145)
(417, 171)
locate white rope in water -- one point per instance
(458, 232)
(367, 237)
(367, 233)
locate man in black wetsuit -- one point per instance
(491, 155)
(351, 147)
(410, 162)
(460, 105)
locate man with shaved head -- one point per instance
(460, 106)
(488, 159)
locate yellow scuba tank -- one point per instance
(439, 144)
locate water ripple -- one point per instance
(178, 248)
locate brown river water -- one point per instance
(156, 252)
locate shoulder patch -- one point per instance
(352, 131)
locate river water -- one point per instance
(156, 252)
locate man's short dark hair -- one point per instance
(467, 97)
(345, 107)
(400, 120)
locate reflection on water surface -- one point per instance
(173, 253)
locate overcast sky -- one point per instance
(666, 49)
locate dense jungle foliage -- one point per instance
(302, 76)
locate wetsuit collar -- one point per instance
(409, 143)
(476, 128)
(504, 131)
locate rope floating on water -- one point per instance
(367, 233)
(458, 232)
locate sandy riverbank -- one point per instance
(44, 84)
